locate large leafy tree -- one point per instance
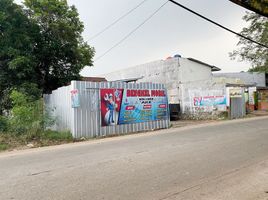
(17, 59)
(257, 30)
(61, 52)
(41, 47)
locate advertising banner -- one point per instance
(143, 105)
(110, 106)
(75, 98)
(133, 106)
(209, 101)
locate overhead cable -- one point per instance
(217, 24)
(116, 21)
(133, 31)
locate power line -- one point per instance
(116, 21)
(133, 31)
(217, 24)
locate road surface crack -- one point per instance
(38, 173)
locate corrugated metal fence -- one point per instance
(85, 121)
(237, 107)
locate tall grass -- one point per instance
(27, 122)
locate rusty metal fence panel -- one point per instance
(237, 107)
(85, 121)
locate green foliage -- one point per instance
(60, 51)
(50, 137)
(57, 136)
(28, 118)
(17, 60)
(31, 90)
(9, 140)
(248, 51)
(41, 47)
(3, 146)
(26, 115)
(259, 69)
(258, 6)
(27, 122)
(3, 123)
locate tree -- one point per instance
(41, 47)
(17, 60)
(60, 51)
(257, 55)
(260, 6)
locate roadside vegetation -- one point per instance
(42, 48)
(27, 124)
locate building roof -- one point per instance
(94, 79)
(129, 80)
(262, 88)
(239, 85)
(213, 68)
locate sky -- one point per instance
(171, 31)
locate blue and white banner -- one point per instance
(209, 101)
(142, 106)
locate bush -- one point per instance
(27, 116)
(3, 146)
(3, 124)
(50, 137)
(57, 136)
(27, 122)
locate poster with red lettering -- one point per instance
(142, 106)
(110, 106)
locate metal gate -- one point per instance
(237, 107)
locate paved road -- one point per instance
(201, 162)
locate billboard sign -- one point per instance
(133, 106)
(110, 106)
(209, 101)
(143, 105)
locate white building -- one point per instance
(186, 80)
